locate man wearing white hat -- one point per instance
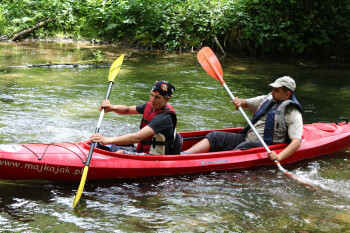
(277, 119)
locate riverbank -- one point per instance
(101, 54)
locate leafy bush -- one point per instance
(296, 27)
(254, 27)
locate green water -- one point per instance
(43, 105)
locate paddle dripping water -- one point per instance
(322, 184)
(43, 105)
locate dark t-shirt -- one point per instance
(160, 123)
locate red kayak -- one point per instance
(65, 161)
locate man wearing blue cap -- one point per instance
(158, 124)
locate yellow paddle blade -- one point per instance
(115, 67)
(81, 186)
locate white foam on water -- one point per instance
(312, 177)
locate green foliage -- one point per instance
(23, 14)
(98, 57)
(296, 27)
(255, 27)
(2, 22)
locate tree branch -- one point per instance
(29, 30)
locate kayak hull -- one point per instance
(65, 161)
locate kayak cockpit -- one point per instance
(207, 155)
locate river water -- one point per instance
(44, 105)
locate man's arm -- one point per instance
(288, 151)
(125, 110)
(120, 109)
(252, 103)
(294, 121)
(240, 103)
(144, 133)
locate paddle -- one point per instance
(113, 72)
(211, 65)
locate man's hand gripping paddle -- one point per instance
(113, 72)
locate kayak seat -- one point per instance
(112, 148)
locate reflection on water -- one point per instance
(40, 105)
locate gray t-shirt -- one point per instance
(293, 118)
